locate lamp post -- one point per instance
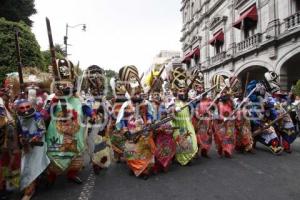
(66, 36)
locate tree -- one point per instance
(110, 74)
(59, 54)
(296, 89)
(17, 10)
(30, 49)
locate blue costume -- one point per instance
(262, 111)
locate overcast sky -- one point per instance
(119, 32)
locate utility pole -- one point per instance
(67, 35)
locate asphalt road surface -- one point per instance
(255, 177)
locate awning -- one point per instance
(196, 52)
(251, 14)
(187, 57)
(191, 54)
(218, 37)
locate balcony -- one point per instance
(249, 43)
(292, 21)
(218, 58)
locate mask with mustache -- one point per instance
(137, 99)
(183, 97)
(27, 114)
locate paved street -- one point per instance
(259, 176)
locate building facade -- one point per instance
(167, 58)
(244, 38)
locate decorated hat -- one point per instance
(94, 78)
(65, 70)
(218, 81)
(130, 76)
(153, 78)
(234, 84)
(178, 78)
(33, 78)
(118, 87)
(199, 76)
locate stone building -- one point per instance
(167, 58)
(242, 38)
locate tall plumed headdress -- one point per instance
(218, 81)
(66, 70)
(153, 77)
(33, 77)
(94, 78)
(178, 79)
(199, 78)
(234, 85)
(118, 87)
(130, 76)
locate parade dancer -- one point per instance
(99, 138)
(243, 137)
(184, 136)
(165, 144)
(262, 111)
(223, 125)
(285, 127)
(117, 137)
(10, 157)
(31, 129)
(67, 125)
(133, 116)
(202, 119)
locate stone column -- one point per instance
(273, 27)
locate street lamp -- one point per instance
(66, 36)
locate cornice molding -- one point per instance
(217, 21)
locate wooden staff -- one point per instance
(52, 51)
(260, 131)
(20, 65)
(246, 83)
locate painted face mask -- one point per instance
(182, 95)
(25, 109)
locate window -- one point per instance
(219, 47)
(297, 5)
(249, 28)
(247, 22)
(218, 41)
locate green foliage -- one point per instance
(17, 10)
(296, 89)
(47, 55)
(30, 49)
(110, 74)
